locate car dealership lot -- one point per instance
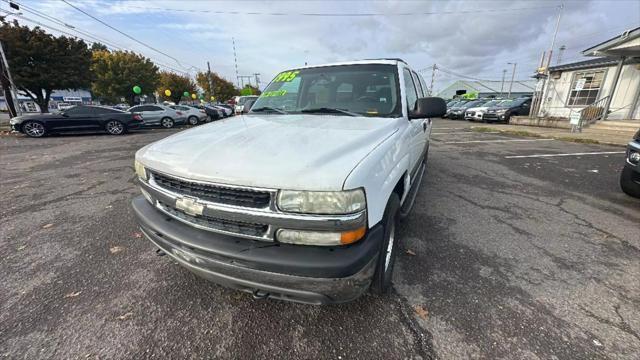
(507, 254)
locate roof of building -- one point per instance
(592, 63)
(613, 46)
(493, 87)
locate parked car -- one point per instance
(78, 119)
(457, 112)
(122, 107)
(247, 105)
(227, 109)
(241, 101)
(194, 115)
(454, 111)
(476, 113)
(506, 109)
(156, 114)
(318, 172)
(213, 113)
(630, 175)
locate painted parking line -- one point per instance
(464, 132)
(567, 154)
(495, 141)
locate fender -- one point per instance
(378, 173)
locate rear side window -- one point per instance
(153, 108)
(410, 89)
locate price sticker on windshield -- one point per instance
(286, 76)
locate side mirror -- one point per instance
(247, 106)
(64, 114)
(428, 107)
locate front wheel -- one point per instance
(33, 129)
(167, 123)
(382, 278)
(627, 183)
(115, 127)
(193, 120)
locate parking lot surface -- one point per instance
(507, 255)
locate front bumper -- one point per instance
(633, 147)
(495, 117)
(306, 274)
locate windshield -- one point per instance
(365, 90)
(473, 103)
(244, 99)
(506, 103)
(492, 103)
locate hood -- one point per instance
(479, 108)
(21, 118)
(299, 152)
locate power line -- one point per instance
(121, 32)
(232, 12)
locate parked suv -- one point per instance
(297, 200)
(506, 109)
(156, 114)
(630, 176)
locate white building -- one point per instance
(607, 87)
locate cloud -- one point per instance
(476, 38)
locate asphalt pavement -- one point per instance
(517, 248)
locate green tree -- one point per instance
(41, 63)
(177, 84)
(250, 90)
(116, 73)
(223, 89)
(96, 46)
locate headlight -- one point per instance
(322, 202)
(501, 111)
(140, 170)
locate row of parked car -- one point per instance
(114, 121)
(488, 110)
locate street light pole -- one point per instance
(513, 74)
(504, 73)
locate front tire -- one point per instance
(627, 184)
(115, 127)
(167, 123)
(193, 120)
(382, 278)
(33, 129)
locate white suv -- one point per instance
(298, 199)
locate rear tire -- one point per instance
(115, 127)
(167, 122)
(33, 129)
(627, 184)
(382, 278)
(193, 120)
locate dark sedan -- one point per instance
(630, 176)
(457, 112)
(507, 109)
(78, 119)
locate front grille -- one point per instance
(215, 224)
(214, 193)
(470, 113)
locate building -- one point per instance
(489, 88)
(608, 86)
(59, 98)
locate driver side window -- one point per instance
(410, 90)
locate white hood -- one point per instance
(304, 152)
(479, 109)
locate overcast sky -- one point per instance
(472, 38)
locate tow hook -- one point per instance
(259, 294)
(159, 252)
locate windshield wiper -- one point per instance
(327, 110)
(267, 108)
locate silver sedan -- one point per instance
(194, 115)
(156, 114)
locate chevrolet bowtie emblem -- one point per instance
(189, 206)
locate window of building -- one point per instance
(585, 87)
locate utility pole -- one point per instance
(7, 84)
(504, 73)
(553, 39)
(433, 78)
(235, 60)
(513, 75)
(257, 80)
(210, 80)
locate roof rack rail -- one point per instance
(396, 59)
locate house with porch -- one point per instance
(605, 87)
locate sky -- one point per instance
(466, 39)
